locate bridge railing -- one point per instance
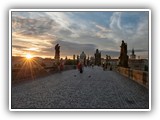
(23, 74)
(139, 76)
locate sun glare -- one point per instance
(28, 56)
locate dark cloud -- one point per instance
(65, 33)
(110, 53)
(70, 48)
(28, 26)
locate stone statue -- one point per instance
(97, 57)
(83, 58)
(123, 55)
(77, 59)
(57, 52)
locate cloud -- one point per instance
(29, 26)
(77, 31)
(111, 53)
(61, 18)
(103, 32)
(103, 29)
(134, 31)
(19, 47)
(70, 48)
(116, 21)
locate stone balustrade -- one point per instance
(23, 74)
(140, 77)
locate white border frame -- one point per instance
(73, 10)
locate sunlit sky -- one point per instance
(37, 33)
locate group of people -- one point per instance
(104, 66)
(80, 66)
(58, 66)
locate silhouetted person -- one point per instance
(104, 66)
(92, 65)
(61, 67)
(80, 67)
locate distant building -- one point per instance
(132, 56)
(138, 64)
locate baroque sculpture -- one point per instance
(123, 55)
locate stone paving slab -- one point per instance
(94, 89)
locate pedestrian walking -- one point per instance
(80, 67)
(104, 66)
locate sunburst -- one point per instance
(29, 56)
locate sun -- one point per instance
(29, 56)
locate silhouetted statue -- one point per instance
(107, 60)
(132, 56)
(97, 57)
(77, 59)
(123, 55)
(57, 52)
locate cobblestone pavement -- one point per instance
(94, 88)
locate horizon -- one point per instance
(71, 58)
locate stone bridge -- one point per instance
(93, 89)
